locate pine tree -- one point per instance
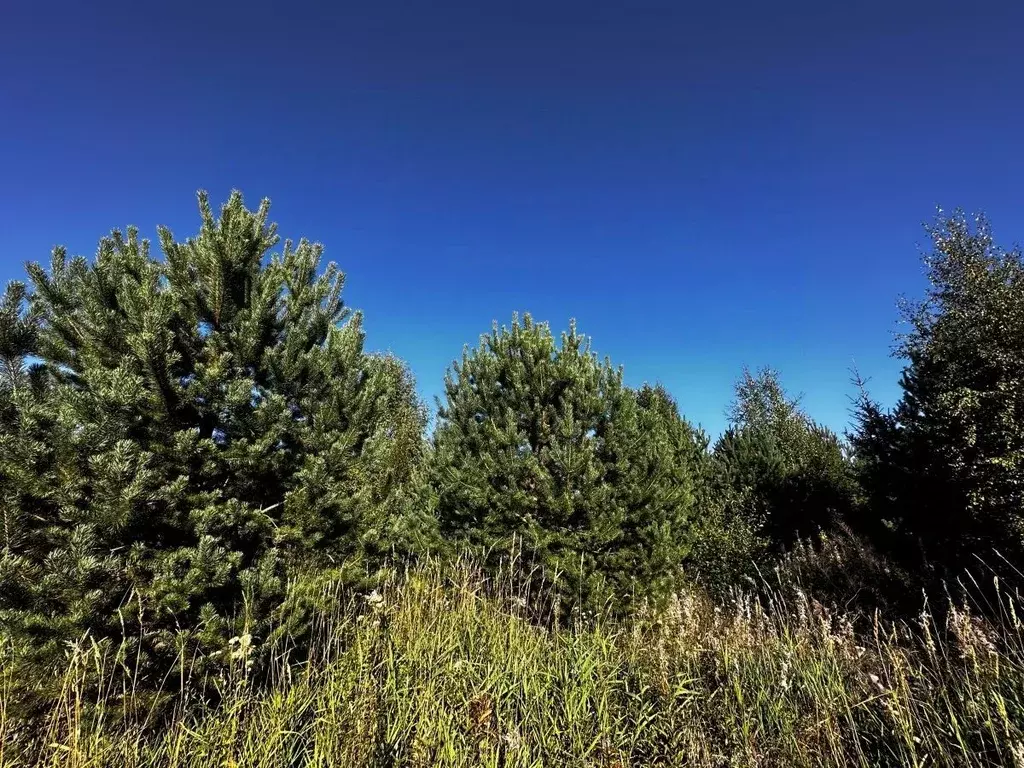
(201, 428)
(28, 453)
(539, 443)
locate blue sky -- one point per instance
(703, 186)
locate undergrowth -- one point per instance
(442, 667)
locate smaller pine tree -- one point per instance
(540, 444)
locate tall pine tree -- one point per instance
(185, 434)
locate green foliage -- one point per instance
(181, 435)
(541, 445)
(780, 472)
(728, 547)
(946, 465)
(196, 450)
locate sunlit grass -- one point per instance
(440, 667)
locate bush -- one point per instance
(778, 471)
(847, 573)
(540, 445)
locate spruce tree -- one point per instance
(540, 444)
(194, 431)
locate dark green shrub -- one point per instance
(781, 473)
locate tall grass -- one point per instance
(441, 667)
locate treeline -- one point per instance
(192, 444)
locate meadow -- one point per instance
(443, 666)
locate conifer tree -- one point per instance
(194, 431)
(779, 471)
(538, 442)
(945, 467)
(28, 450)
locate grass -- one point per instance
(442, 668)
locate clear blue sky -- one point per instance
(702, 185)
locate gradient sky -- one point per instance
(703, 186)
